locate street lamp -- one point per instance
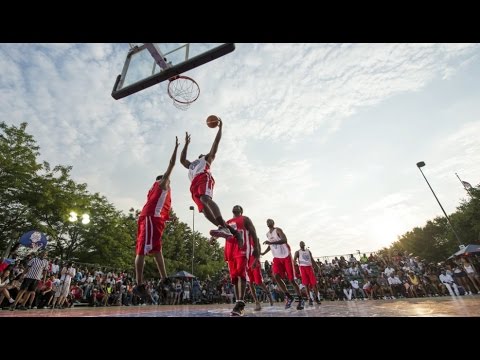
(420, 165)
(74, 217)
(193, 238)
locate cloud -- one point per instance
(303, 141)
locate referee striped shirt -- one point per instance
(36, 267)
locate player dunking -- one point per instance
(151, 224)
(202, 187)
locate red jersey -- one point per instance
(231, 245)
(158, 202)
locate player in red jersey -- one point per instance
(254, 269)
(238, 257)
(282, 263)
(202, 186)
(306, 263)
(151, 224)
(254, 277)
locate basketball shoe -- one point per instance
(288, 303)
(301, 304)
(238, 309)
(221, 232)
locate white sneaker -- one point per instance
(221, 232)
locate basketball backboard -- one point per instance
(148, 64)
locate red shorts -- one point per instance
(254, 275)
(232, 250)
(202, 184)
(283, 267)
(308, 276)
(149, 235)
(237, 268)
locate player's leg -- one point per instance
(288, 263)
(212, 211)
(258, 280)
(139, 264)
(142, 232)
(237, 269)
(160, 261)
(157, 233)
(204, 191)
(264, 287)
(252, 280)
(209, 210)
(278, 270)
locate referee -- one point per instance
(37, 266)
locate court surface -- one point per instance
(465, 306)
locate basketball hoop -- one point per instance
(183, 90)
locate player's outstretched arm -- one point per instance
(183, 155)
(166, 176)
(213, 150)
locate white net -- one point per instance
(181, 106)
(183, 90)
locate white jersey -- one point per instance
(304, 258)
(278, 251)
(197, 167)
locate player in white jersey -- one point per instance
(202, 187)
(282, 263)
(306, 263)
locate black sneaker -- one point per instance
(319, 302)
(301, 304)
(310, 302)
(140, 290)
(288, 303)
(238, 309)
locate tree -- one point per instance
(436, 240)
(18, 169)
(35, 196)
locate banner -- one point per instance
(34, 239)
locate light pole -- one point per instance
(420, 165)
(193, 237)
(193, 249)
(74, 217)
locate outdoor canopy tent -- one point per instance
(182, 274)
(465, 251)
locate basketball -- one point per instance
(212, 121)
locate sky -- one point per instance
(322, 138)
